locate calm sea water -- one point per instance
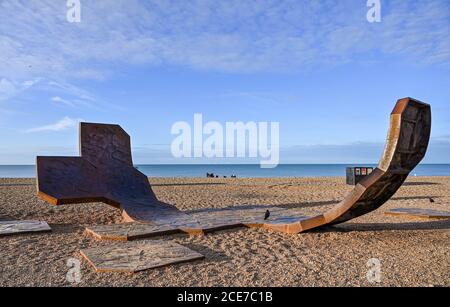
(240, 170)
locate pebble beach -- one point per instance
(411, 251)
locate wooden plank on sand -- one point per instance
(8, 228)
(138, 256)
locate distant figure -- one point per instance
(208, 175)
(233, 176)
(224, 176)
(431, 200)
(217, 176)
(267, 215)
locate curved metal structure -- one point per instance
(105, 173)
(406, 146)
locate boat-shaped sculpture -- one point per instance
(105, 173)
(406, 146)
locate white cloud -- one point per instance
(60, 100)
(7, 89)
(10, 89)
(77, 101)
(232, 36)
(74, 95)
(70, 89)
(63, 124)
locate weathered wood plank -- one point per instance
(138, 256)
(23, 227)
(210, 221)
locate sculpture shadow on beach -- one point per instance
(70, 228)
(415, 197)
(418, 224)
(416, 183)
(16, 185)
(187, 184)
(211, 255)
(280, 206)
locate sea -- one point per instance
(239, 170)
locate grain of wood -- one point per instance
(22, 227)
(138, 256)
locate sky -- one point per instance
(319, 68)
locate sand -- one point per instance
(413, 252)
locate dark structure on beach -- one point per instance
(356, 174)
(104, 172)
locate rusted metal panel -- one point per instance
(104, 172)
(406, 146)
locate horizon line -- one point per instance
(250, 164)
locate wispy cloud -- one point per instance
(63, 124)
(10, 89)
(442, 138)
(70, 89)
(269, 98)
(13, 89)
(76, 102)
(231, 36)
(7, 89)
(63, 101)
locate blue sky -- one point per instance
(319, 68)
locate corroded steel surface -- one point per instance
(406, 146)
(105, 173)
